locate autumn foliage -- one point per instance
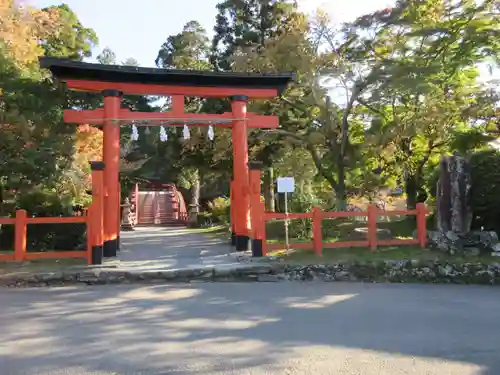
(88, 147)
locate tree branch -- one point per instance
(319, 166)
(294, 105)
(431, 147)
(371, 108)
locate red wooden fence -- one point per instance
(260, 218)
(21, 222)
(93, 218)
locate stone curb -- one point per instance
(405, 271)
(243, 272)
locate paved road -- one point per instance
(273, 328)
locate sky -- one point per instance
(137, 29)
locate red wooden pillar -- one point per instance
(119, 222)
(422, 225)
(97, 212)
(256, 215)
(317, 219)
(111, 159)
(240, 171)
(91, 236)
(372, 226)
(262, 226)
(20, 235)
(232, 216)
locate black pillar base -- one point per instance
(233, 239)
(242, 243)
(96, 255)
(118, 243)
(257, 248)
(109, 248)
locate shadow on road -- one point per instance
(318, 328)
(168, 247)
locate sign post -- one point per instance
(286, 185)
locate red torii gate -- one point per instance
(113, 81)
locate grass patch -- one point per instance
(339, 229)
(409, 252)
(342, 229)
(220, 232)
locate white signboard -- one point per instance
(286, 184)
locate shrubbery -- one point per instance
(302, 201)
(219, 210)
(485, 175)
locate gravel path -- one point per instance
(160, 247)
(257, 328)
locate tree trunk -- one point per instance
(411, 189)
(195, 191)
(269, 189)
(194, 206)
(340, 190)
(415, 192)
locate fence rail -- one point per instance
(21, 222)
(317, 243)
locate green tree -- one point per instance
(331, 131)
(244, 31)
(130, 62)
(107, 57)
(246, 23)
(426, 89)
(187, 50)
(70, 39)
(197, 158)
(35, 144)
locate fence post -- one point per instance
(421, 225)
(317, 222)
(372, 227)
(20, 236)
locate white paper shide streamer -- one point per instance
(163, 134)
(135, 133)
(185, 132)
(211, 132)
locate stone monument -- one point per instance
(453, 200)
(454, 212)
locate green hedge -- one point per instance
(485, 175)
